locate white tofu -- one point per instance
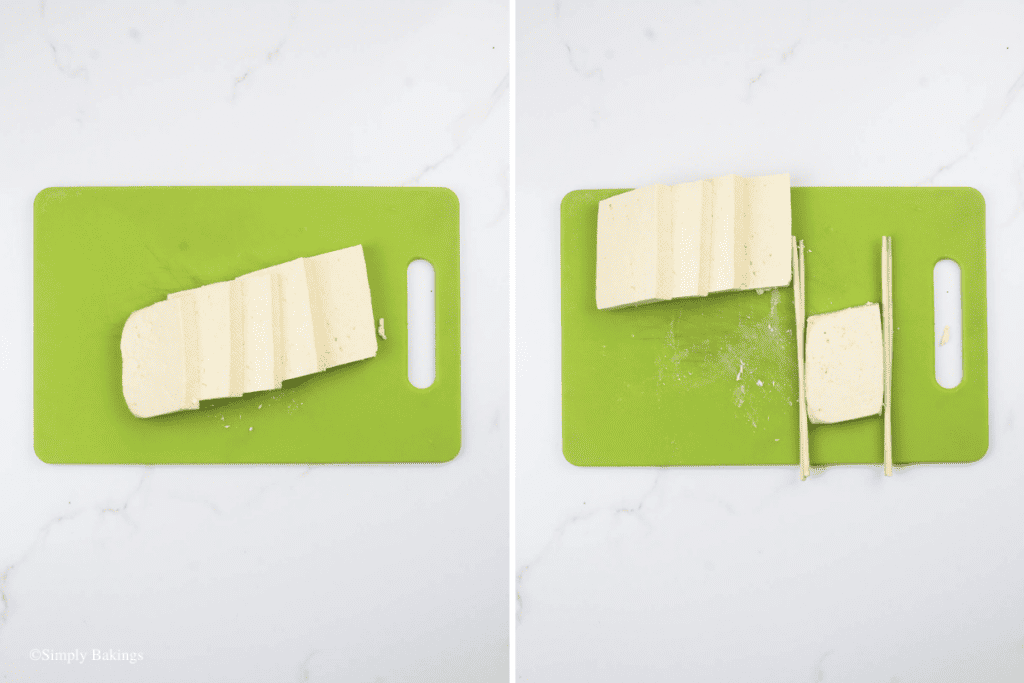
(237, 327)
(767, 252)
(248, 334)
(692, 239)
(298, 343)
(628, 241)
(690, 228)
(843, 369)
(723, 234)
(707, 215)
(153, 374)
(339, 296)
(190, 337)
(260, 332)
(211, 306)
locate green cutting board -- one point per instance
(662, 384)
(103, 252)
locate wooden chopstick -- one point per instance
(799, 302)
(887, 340)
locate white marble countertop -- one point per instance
(391, 573)
(747, 574)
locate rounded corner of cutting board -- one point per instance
(974, 198)
(982, 451)
(456, 451)
(451, 195)
(569, 200)
(573, 457)
(45, 456)
(44, 195)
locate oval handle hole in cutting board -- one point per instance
(949, 362)
(420, 309)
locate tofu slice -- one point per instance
(707, 210)
(768, 227)
(843, 369)
(298, 355)
(153, 371)
(722, 265)
(211, 307)
(690, 229)
(237, 327)
(261, 332)
(631, 241)
(294, 352)
(344, 329)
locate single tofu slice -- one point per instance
(339, 295)
(153, 352)
(298, 342)
(212, 306)
(295, 347)
(722, 264)
(237, 329)
(691, 227)
(260, 332)
(843, 370)
(632, 237)
(707, 219)
(764, 231)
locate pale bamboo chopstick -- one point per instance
(799, 302)
(887, 350)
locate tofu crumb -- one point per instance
(226, 426)
(945, 337)
(250, 429)
(760, 383)
(259, 406)
(380, 330)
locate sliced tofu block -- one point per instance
(212, 309)
(260, 332)
(248, 334)
(692, 239)
(628, 241)
(843, 369)
(339, 296)
(153, 350)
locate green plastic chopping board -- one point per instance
(713, 380)
(101, 253)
